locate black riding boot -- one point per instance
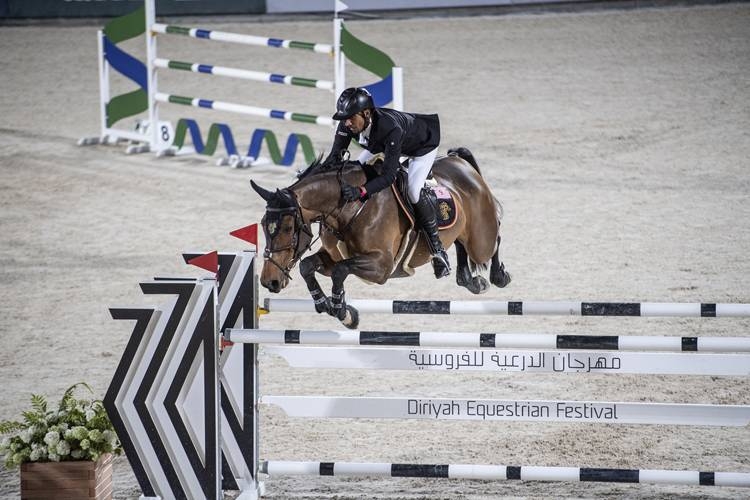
(425, 212)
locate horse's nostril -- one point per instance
(275, 285)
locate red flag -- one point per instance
(209, 261)
(247, 233)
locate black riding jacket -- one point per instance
(394, 133)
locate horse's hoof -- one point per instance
(351, 319)
(501, 278)
(477, 285)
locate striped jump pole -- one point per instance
(524, 308)
(162, 144)
(505, 472)
(222, 36)
(198, 102)
(244, 74)
(490, 340)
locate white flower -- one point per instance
(95, 435)
(35, 455)
(52, 438)
(90, 414)
(78, 432)
(63, 448)
(76, 454)
(53, 458)
(25, 435)
(109, 437)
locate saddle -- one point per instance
(441, 198)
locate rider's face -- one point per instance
(357, 123)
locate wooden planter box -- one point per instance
(67, 480)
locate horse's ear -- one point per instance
(264, 193)
(286, 196)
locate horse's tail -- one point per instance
(466, 155)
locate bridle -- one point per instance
(302, 239)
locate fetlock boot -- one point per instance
(425, 212)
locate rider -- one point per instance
(395, 133)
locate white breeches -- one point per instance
(419, 169)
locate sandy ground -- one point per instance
(618, 142)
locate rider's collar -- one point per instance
(364, 136)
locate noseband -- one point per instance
(299, 245)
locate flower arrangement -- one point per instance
(79, 430)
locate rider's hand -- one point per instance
(350, 193)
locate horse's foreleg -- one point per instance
(498, 275)
(319, 262)
(367, 267)
(346, 314)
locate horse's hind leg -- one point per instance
(498, 275)
(463, 273)
(464, 278)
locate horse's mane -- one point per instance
(318, 167)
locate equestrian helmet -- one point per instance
(352, 101)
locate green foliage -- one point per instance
(79, 429)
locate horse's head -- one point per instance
(288, 237)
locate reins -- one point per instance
(340, 233)
(303, 238)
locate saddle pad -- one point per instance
(446, 207)
(441, 197)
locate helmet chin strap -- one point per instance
(368, 119)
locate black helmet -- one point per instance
(352, 101)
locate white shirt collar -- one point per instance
(364, 136)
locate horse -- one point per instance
(369, 239)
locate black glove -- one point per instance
(350, 193)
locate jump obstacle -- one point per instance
(185, 398)
(161, 137)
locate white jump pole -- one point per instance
(521, 308)
(492, 340)
(505, 472)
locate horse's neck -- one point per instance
(318, 196)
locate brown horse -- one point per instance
(369, 239)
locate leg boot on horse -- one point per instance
(425, 212)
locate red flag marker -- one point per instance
(209, 261)
(247, 233)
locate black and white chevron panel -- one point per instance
(237, 309)
(503, 473)
(164, 397)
